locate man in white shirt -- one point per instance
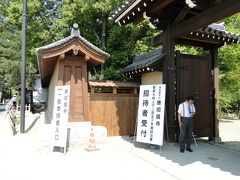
(186, 111)
(14, 101)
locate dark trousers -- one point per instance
(185, 133)
(14, 104)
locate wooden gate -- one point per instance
(194, 78)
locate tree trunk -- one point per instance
(103, 40)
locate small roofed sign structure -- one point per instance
(186, 22)
(75, 45)
(65, 62)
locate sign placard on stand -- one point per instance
(60, 117)
(151, 108)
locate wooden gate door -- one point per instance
(194, 78)
(73, 71)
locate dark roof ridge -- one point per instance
(149, 54)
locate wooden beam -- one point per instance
(181, 15)
(188, 42)
(86, 57)
(139, 18)
(160, 5)
(197, 41)
(61, 56)
(204, 39)
(157, 40)
(152, 9)
(124, 13)
(209, 16)
(114, 90)
(92, 90)
(217, 2)
(135, 91)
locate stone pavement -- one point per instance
(23, 157)
(230, 134)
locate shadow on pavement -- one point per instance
(32, 124)
(232, 145)
(2, 107)
(205, 153)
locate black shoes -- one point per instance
(189, 149)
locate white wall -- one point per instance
(51, 91)
(39, 94)
(149, 78)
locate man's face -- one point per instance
(190, 101)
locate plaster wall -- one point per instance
(51, 92)
(39, 93)
(155, 77)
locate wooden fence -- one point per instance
(116, 112)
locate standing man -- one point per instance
(14, 101)
(186, 111)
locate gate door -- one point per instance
(194, 78)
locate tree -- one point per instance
(230, 70)
(10, 48)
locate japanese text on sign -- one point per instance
(60, 115)
(150, 123)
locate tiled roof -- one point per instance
(116, 84)
(74, 35)
(218, 31)
(144, 62)
(133, 9)
(60, 47)
(121, 8)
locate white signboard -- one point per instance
(150, 123)
(60, 115)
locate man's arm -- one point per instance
(194, 111)
(179, 120)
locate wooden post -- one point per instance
(92, 90)
(135, 91)
(114, 90)
(211, 96)
(169, 80)
(214, 52)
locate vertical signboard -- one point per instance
(60, 115)
(151, 108)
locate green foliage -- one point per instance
(229, 58)
(123, 44)
(190, 50)
(229, 78)
(10, 46)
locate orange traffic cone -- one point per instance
(92, 144)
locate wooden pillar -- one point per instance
(114, 90)
(135, 91)
(92, 90)
(169, 80)
(214, 53)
